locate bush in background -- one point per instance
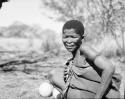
(50, 42)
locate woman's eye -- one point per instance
(65, 37)
(69, 36)
(74, 37)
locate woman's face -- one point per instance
(71, 39)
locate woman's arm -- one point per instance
(103, 64)
(106, 77)
(56, 78)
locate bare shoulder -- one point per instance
(98, 59)
(85, 46)
(88, 51)
(104, 63)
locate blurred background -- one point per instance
(30, 38)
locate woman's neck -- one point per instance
(75, 53)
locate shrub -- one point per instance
(50, 42)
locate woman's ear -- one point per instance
(83, 36)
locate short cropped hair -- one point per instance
(74, 24)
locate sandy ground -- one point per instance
(24, 84)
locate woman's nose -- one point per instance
(69, 40)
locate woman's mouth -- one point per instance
(70, 47)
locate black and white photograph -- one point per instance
(62, 49)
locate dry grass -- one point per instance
(23, 82)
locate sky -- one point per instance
(28, 12)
